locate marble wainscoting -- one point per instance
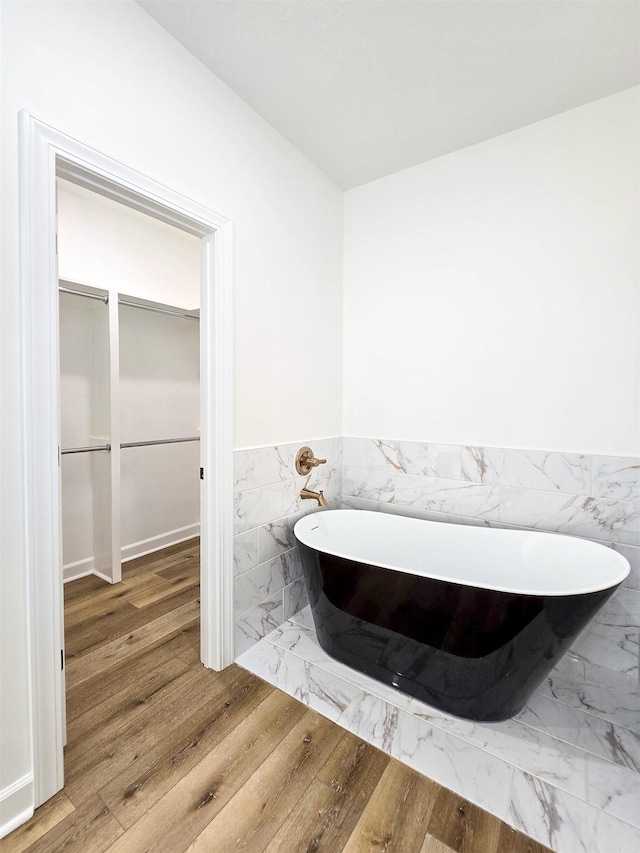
(594, 497)
(268, 586)
(565, 771)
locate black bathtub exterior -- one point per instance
(472, 652)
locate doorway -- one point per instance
(45, 155)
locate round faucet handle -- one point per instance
(305, 460)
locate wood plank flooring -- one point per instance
(165, 755)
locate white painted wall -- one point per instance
(106, 74)
(84, 336)
(108, 245)
(159, 398)
(492, 295)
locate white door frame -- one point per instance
(45, 153)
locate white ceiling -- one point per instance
(365, 88)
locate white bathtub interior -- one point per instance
(524, 562)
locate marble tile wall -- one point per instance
(595, 497)
(269, 587)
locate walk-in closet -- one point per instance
(129, 384)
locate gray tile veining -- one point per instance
(528, 469)
(616, 477)
(564, 822)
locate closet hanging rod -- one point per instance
(159, 441)
(89, 449)
(182, 314)
(102, 298)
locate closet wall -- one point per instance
(84, 421)
(106, 246)
(159, 399)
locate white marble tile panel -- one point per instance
(565, 823)
(245, 551)
(480, 464)
(633, 556)
(359, 483)
(330, 449)
(608, 647)
(612, 640)
(371, 719)
(616, 477)
(571, 665)
(531, 750)
(304, 618)
(479, 776)
(294, 598)
(618, 682)
(423, 492)
(451, 496)
(593, 734)
(348, 502)
(410, 457)
(406, 511)
(265, 580)
(258, 506)
(443, 461)
(276, 536)
(593, 518)
(293, 503)
(355, 452)
(614, 789)
(452, 518)
(328, 478)
(442, 517)
(317, 689)
(405, 457)
(620, 705)
(262, 466)
(300, 641)
(568, 473)
(621, 610)
(253, 625)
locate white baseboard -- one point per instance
(73, 571)
(148, 546)
(79, 569)
(16, 804)
(82, 568)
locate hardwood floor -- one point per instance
(165, 755)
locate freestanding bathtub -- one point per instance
(467, 619)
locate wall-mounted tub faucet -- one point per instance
(319, 496)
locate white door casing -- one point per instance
(44, 154)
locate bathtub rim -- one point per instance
(305, 526)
